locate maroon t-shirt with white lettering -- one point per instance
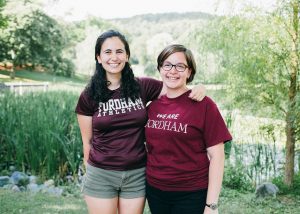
(118, 127)
(178, 133)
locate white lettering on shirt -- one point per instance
(167, 125)
(119, 106)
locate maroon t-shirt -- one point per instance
(118, 127)
(178, 133)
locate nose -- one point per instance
(114, 56)
(173, 69)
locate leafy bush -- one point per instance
(236, 178)
(284, 189)
(63, 67)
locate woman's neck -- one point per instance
(173, 93)
(114, 82)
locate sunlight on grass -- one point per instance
(63, 207)
(24, 75)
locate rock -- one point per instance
(22, 188)
(43, 188)
(15, 188)
(49, 183)
(33, 188)
(19, 178)
(12, 168)
(55, 191)
(32, 179)
(70, 179)
(4, 180)
(8, 186)
(266, 190)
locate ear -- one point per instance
(99, 59)
(189, 73)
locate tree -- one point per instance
(259, 56)
(36, 39)
(3, 23)
(3, 19)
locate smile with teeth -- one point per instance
(172, 78)
(114, 65)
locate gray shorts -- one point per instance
(101, 183)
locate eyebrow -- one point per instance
(174, 64)
(117, 50)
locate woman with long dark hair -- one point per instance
(112, 114)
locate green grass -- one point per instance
(231, 202)
(29, 203)
(24, 75)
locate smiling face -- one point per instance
(113, 56)
(173, 79)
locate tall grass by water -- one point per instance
(257, 151)
(39, 133)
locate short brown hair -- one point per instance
(167, 51)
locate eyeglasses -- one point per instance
(180, 67)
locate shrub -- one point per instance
(284, 189)
(236, 178)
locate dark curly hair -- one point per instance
(97, 88)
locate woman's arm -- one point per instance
(215, 177)
(85, 125)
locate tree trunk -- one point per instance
(290, 116)
(12, 72)
(289, 150)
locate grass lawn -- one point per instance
(231, 202)
(29, 76)
(22, 202)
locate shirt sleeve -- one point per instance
(150, 88)
(215, 129)
(84, 105)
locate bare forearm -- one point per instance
(216, 171)
(85, 125)
(86, 152)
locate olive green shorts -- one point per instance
(101, 183)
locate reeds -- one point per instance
(39, 133)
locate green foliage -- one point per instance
(253, 54)
(235, 177)
(40, 42)
(63, 67)
(151, 70)
(35, 40)
(259, 58)
(284, 189)
(39, 133)
(3, 19)
(3, 23)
